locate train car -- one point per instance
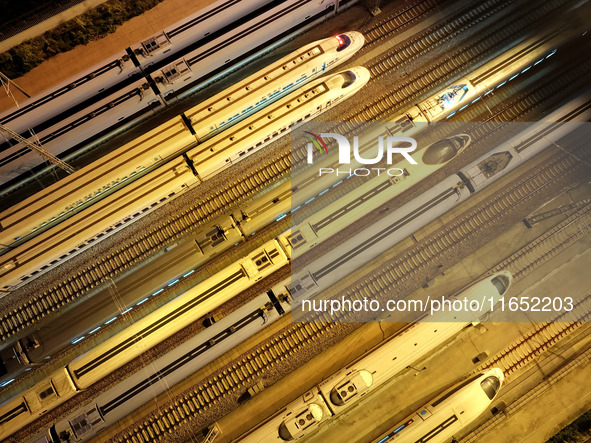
(113, 212)
(373, 193)
(118, 71)
(79, 190)
(443, 417)
(345, 388)
(134, 391)
(161, 81)
(145, 333)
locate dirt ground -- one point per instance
(66, 65)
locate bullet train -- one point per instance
(345, 388)
(428, 206)
(167, 181)
(509, 65)
(443, 417)
(144, 334)
(134, 391)
(83, 371)
(148, 76)
(242, 222)
(216, 236)
(113, 171)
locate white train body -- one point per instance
(114, 170)
(483, 81)
(174, 366)
(144, 334)
(443, 417)
(157, 80)
(111, 213)
(278, 79)
(112, 77)
(342, 390)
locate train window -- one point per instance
(490, 386)
(501, 283)
(46, 393)
(344, 41)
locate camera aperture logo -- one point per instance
(387, 146)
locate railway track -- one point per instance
(436, 72)
(108, 266)
(115, 262)
(537, 391)
(540, 338)
(385, 28)
(242, 373)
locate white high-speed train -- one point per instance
(167, 181)
(54, 204)
(145, 385)
(412, 216)
(145, 333)
(472, 178)
(342, 390)
(148, 76)
(447, 414)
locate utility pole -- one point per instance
(39, 149)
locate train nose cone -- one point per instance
(444, 150)
(357, 39)
(362, 74)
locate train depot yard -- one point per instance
(301, 220)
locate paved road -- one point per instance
(63, 66)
